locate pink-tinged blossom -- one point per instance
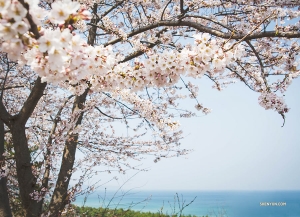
(201, 38)
(4, 170)
(16, 11)
(38, 13)
(272, 101)
(14, 48)
(57, 58)
(38, 195)
(61, 10)
(77, 43)
(4, 4)
(65, 38)
(239, 51)
(21, 27)
(218, 63)
(50, 40)
(84, 13)
(6, 31)
(60, 55)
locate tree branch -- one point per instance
(140, 52)
(4, 115)
(162, 14)
(60, 195)
(106, 114)
(31, 102)
(46, 175)
(249, 33)
(241, 78)
(111, 9)
(33, 26)
(181, 7)
(260, 63)
(212, 31)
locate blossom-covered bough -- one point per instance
(73, 71)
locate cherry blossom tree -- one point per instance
(73, 71)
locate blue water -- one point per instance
(212, 203)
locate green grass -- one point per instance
(102, 212)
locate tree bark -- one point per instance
(47, 156)
(26, 179)
(5, 210)
(59, 198)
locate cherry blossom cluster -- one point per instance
(38, 195)
(164, 69)
(14, 25)
(272, 101)
(13, 28)
(146, 109)
(112, 28)
(61, 55)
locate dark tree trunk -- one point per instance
(26, 179)
(5, 210)
(16, 124)
(60, 195)
(59, 198)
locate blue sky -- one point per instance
(239, 146)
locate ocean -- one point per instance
(211, 203)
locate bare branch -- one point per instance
(111, 9)
(106, 114)
(163, 12)
(181, 7)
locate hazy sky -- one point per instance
(239, 146)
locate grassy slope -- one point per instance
(101, 212)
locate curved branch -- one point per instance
(140, 52)
(163, 12)
(213, 80)
(260, 63)
(249, 33)
(111, 9)
(241, 78)
(106, 114)
(212, 31)
(209, 19)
